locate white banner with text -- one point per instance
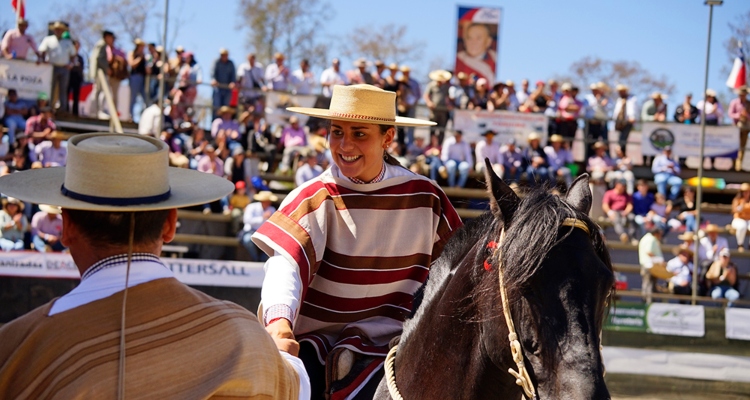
(737, 323)
(188, 271)
(676, 319)
(28, 78)
(505, 124)
(685, 139)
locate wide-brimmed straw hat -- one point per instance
(710, 92)
(50, 209)
(440, 75)
(362, 103)
(687, 236)
(621, 88)
(712, 228)
(556, 139)
(13, 200)
(744, 187)
(58, 25)
(265, 195)
(226, 109)
(116, 172)
(58, 135)
(533, 136)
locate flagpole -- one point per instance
(699, 189)
(163, 55)
(19, 6)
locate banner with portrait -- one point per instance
(685, 139)
(477, 42)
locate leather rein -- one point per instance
(522, 375)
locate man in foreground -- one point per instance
(130, 329)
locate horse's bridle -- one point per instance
(522, 375)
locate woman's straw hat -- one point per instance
(265, 195)
(116, 172)
(13, 200)
(440, 75)
(362, 103)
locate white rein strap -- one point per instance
(390, 374)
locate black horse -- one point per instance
(558, 277)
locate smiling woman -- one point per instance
(350, 247)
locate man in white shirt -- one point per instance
(60, 53)
(487, 148)
(332, 76)
(523, 94)
(255, 214)
(250, 78)
(710, 245)
(302, 79)
(682, 268)
(624, 114)
(278, 76)
(456, 157)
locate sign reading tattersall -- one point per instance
(29, 79)
(188, 271)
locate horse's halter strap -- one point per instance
(522, 375)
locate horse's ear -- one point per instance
(579, 194)
(503, 200)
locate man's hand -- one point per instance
(281, 332)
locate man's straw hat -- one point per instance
(712, 228)
(58, 25)
(744, 187)
(440, 75)
(49, 209)
(710, 92)
(622, 88)
(265, 195)
(362, 103)
(687, 236)
(556, 139)
(405, 68)
(226, 109)
(116, 172)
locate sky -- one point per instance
(538, 38)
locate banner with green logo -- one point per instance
(657, 318)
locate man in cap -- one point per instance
(624, 114)
(277, 74)
(223, 77)
(739, 112)
(60, 53)
(682, 268)
(437, 98)
(141, 331)
(16, 43)
(666, 172)
(654, 109)
(332, 76)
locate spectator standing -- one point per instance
(512, 99)
(597, 114)
(278, 76)
(16, 112)
(256, 213)
(309, 169)
(98, 61)
(624, 114)
(303, 79)
(512, 160)
(481, 97)
(686, 113)
(415, 91)
(654, 109)
(488, 149)
(223, 78)
(250, 78)
(360, 75)
(60, 53)
(649, 253)
(137, 78)
(667, 173)
(714, 111)
(13, 224)
(456, 157)
(722, 278)
(462, 92)
(618, 205)
(46, 229)
(559, 157)
(739, 112)
(741, 215)
(537, 165)
(16, 43)
(377, 76)
(333, 76)
(76, 78)
(569, 109)
(523, 94)
(293, 140)
(391, 83)
(225, 130)
(437, 98)
(118, 71)
(682, 269)
(39, 126)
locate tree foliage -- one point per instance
(386, 43)
(739, 32)
(640, 80)
(291, 27)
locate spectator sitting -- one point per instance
(46, 228)
(256, 213)
(210, 162)
(16, 112)
(722, 278)
(309, 169)
(241, 168)
(239, 199)
(667, 172)
(432, 157)
(599, 164)
(618, 205)
(40, 126)
(659, 212)
(649, 253)
(51, 152)
(623, 170)
(536, 160)
(456, 157)
(688, 242)
(293, 140)
(512, 161)
(481, 98)
(13, 225)
(415, 155)
(686, 211)
(226, 129)
(712, 244)
(741, 215)
(487, 148)
(682, 268)
(559, 157)
(642, 201)
(654, 109)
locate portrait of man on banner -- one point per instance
(476, 50)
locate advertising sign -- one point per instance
(659, 318)
(29, 79)
(737, 323)
(685, 139)
(477, 42)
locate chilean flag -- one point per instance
(738, 76)
(15, 5)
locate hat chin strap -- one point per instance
(121, 367)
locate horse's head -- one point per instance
(558, 279)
